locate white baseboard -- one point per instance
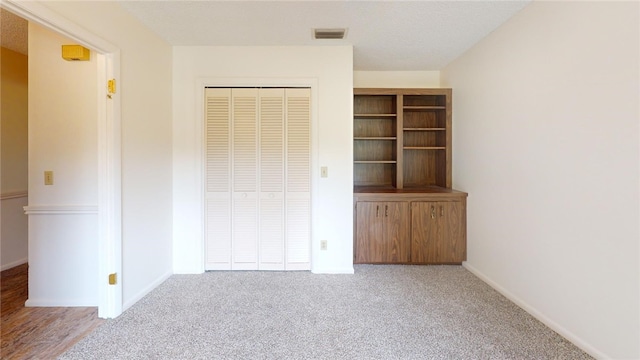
(577, 341)
(346, 270)
(61, 303)
(13, 264)
(127, 304)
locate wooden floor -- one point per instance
(38, 333)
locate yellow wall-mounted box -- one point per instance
(75, 53)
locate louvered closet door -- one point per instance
(298, 179)
(258, 158)
(244, 120)
(218, 179)
(271, 216)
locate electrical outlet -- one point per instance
(48, 177)
(323, 244)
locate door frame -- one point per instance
(109, 148)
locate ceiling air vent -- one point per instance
(329, 33)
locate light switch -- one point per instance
(324, 172)
(48, 177)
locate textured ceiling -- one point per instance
(386, 35)
(13, 32)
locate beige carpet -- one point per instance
(381, 312)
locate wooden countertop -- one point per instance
(374, 192)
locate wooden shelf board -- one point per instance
(387, 189)
(374, 162)
(424, 129)
(374, 138)
(424, 148)
(430, 107)
(373, 115)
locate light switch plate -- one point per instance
(48, 177)
(324, 172)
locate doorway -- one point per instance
(108, 208)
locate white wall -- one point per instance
(328, 70)
(396, 79)
(13, 181)
(145, 92)
(62, 138)
(546, 140)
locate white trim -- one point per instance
(40, 14)
(13, 264)
(60, 209)
(199, 123)
(109, 207)
(14, 195)
(298, 266)
(345, 270)
(60, 303)
(144, 292)
(586, 347)
(109, 190)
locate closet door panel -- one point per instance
(271, 155)
(244, 120)
(298, 178)
(217, 169)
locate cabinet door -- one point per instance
(369, 232)
(424, 232)
(382, 232)
(396, 248)
(437, 232)
(452, 229)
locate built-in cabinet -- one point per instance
(405, 209)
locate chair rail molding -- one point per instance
(13, 195)
(60, 209)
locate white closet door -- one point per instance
(298, 179)
(258, 179)
(271, 216)
(218, 179)
(244, 104)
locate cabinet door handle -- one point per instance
(377, 210)
(441, 210)
(386, 210)
(433, 212)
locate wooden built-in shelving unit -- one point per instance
(405, 209)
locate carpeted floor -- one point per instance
(381, 312)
